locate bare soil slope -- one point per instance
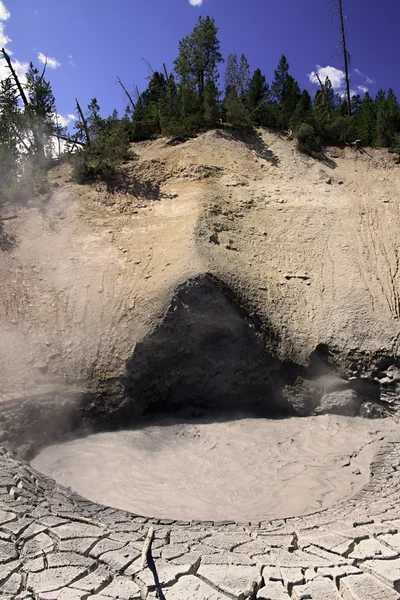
(311, 246)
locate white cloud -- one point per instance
(363, 89)
(20, 69)
(52, 63)
(4, 39)
(4, 13)
(336, 76)
(343, 93)
(368, 80)
(196, 2)
(64, 121)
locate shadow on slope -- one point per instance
(207, 353)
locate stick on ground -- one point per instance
(147, 547)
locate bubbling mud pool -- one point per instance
(243, 470)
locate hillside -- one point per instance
(308, 250)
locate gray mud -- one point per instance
(240, 470)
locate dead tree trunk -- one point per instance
(328, 106)
(39, 147)
(84, 122)
(346, 55)
(127, 93)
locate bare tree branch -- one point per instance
(328, 105)
(84, 122)
(127, 93)
(338, 6)
(44, 71)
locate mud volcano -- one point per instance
(206, 412)
(226, 491)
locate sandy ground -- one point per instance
(246, 469)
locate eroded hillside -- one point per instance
(308, 249)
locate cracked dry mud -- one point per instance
(55, 545)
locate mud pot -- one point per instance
(243, 469)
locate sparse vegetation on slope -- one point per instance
(182, 103)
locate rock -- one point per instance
(365, 587)
(394, 373)
(321, 588)
(122, 588)
(232, 580)
(345, 402)
(214, 238)
(53, 579)
(274, 590)
(328, 180)
(386, 570)
(371, 548)
(370, 410)
(193, 588)
(301, 396)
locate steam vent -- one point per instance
(200, 377)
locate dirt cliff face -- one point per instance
(287, 265)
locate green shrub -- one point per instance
(396, 147)
(100, 160)
(307, 140)
(32, 183)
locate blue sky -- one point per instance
(92, 42)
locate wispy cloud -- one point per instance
(64, 121)
(4, 15)
(336, 76)
(20, 69)
(368, 80)
(52, 63)
(71, 61)
(363, 89)
(196, 2)
(4, 12)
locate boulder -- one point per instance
(345, 402)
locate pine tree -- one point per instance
(94, 120)
(197, 73)
(302, 112)
(280, 77)
(257, 99)
(11, 136)
(366, 121)
(237, 79)
(237, 75)
(386, 118)
(291, 98)
(236, 112)
(42, 108)
(286, 93)
(325, 103)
